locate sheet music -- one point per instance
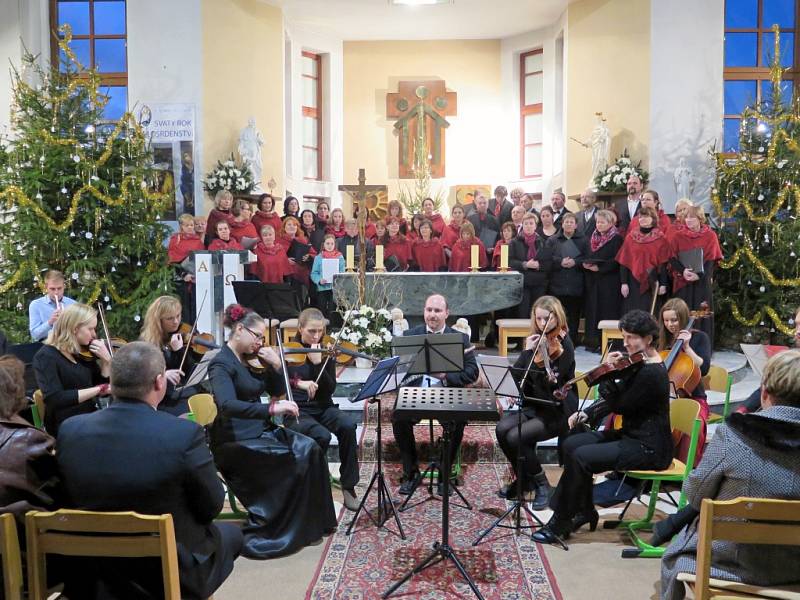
(200, 372)
(330, 267)
(496, 371)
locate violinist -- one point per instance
(539, 421)
(72, 367)
(640, 393)
(697, 346)
(161, 324)
(313, 383)
(281, 476)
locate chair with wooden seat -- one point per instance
(511, 328)
(11, 558)
(746, 521)
(38, 408)
(203, 412)
(719, 380)
(609, 330)
(684, 418)
(89, 533)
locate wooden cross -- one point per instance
(426, 103)
(361, 194)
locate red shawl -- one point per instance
(643, 252)
(461, 258)
(181, 244)
(241, 229)
(496, 253)
(272, 265)
(664, 223)
(400, 247)
(218, 244)
(260, 218)
(685, 239)
(337, 233)
(438, 224)
(214, 217)
(331, 254)
(598, 240)
(429, 256)
(450, 235)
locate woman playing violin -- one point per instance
(280, 476)
(72, 367)
(540, 421)
(161, 324)
(640, 393)
(313, 383)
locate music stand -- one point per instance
(425, 354)
(381, 380)
(270, 300)
(498, 374)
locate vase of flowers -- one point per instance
(369, 329)
(229, 175)
(615, 177)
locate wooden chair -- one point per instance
(747, 521)
(289, 329)
(12, 558)
(609, 330)
(719, 380)
(89, 533)
(38, 408)
(683, 416)
(203, 412)
(511, 328)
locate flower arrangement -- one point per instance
(370, 329)
(229, 175)
(616, 175)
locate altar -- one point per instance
(466, 293)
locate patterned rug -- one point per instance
(363, 565)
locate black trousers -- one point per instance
(584, 455)
(318, 422)
(404, 435)
(529, 296)
(572, 307)
(534, 429)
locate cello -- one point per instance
(684, 374)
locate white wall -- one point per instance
(298, 40)
(686, 92)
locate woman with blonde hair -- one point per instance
(539, 421)
(603, 284)
(241, 225)
(72, 367)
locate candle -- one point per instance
(504, 257)
(350, 258)
(475, 262)
(379, 258)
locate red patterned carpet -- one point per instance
(363, 565)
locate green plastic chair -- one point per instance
(37, 409)
(719, 380)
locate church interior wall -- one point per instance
(471, 68)
(243, 66)
(608, 69)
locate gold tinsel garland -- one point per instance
(756, 262)
(759, 316)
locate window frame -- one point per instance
(526, 110)
(757, 73)
(315, 113)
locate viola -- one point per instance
(604, 371)
(684, 374)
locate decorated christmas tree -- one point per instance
(75, 196)
(757, 199)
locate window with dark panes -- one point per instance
(312, 115)
(99, 40)
(749, 53)
(531, 120)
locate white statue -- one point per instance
(250, 142)
(684, 180)
(600, 143)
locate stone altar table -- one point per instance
(466, 293)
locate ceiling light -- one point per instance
(419, 2)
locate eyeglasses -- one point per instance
(258, 336)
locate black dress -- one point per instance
(636, 299)
(280, 476)
(697, 292)
(176, 401)
(534, 282)
(567, 284)
(603, 297)
(60, 379)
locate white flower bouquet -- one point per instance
(616, 175)
(229, 175)
(370, 329)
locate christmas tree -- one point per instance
(75, 196)
(757, 198)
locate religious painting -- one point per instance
(465, 194)
(420, 108)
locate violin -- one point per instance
(342, 352)
(254, 362)
(552, 350)
(200, 343)
(684, 374)
(603, 371)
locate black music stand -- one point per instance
(499, 375)
(279, 301)
(381, 380)
(424, 354)
(441, 549)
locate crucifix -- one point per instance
(420, 108)
(361, 194)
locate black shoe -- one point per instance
(543, 491)
(662, 533)
(555, 529)
(410, 483)
(440, 488)
(583, 518)
(509, 492)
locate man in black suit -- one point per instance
(132, 457)
(585, 217)
(499, 206)
(436, 313)
(486, 227)
(557, 202)
(629, 207)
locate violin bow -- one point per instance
(105, 328)
(192, 332)
(542, 336)
(285, 370)
(655, 299)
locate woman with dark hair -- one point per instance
(413, 233)
(323, 213)
(313, 231)
(437, 222)
(223, 239)
(569, 247)
(427, 252)
(291, 207)
(395, 244)
(651, 200)
(336, 223)
(395, 210)
(266, 215)
(603, 298)
(223, 202)
(461, 252)
(241, 226)
(451, 233)
(530, 256)
(641, 395)
(547, 228)
(271, 264)
(290, 231)
(643, 261)
(507, 234)
(279, 475)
